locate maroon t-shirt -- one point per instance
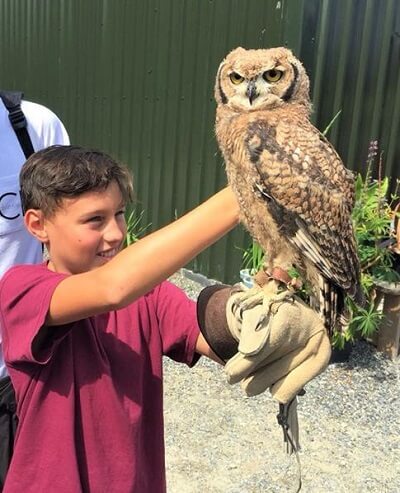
(90, 409)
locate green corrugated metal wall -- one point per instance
(135, 78)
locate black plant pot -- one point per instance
(341, 355)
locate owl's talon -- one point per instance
(262, 321)
(249, 300)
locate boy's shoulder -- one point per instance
(21, 277)
(24, 269)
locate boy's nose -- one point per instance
(115, 232)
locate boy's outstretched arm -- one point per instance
(143, 265)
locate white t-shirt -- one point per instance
(17, 246)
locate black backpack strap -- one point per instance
(12, 101)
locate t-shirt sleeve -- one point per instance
(44, 126)
(54, 131)
(178, 325)
(25, 295)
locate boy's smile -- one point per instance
(109, 253)
(87, 231)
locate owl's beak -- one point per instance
(251, 91)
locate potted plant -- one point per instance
(376, 226)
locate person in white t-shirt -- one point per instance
(17, 246)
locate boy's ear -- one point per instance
(35, 224)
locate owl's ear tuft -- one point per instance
(288, 51)
(236, 51)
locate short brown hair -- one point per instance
(59, 172)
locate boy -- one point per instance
(84, 334)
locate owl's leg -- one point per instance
(274, 280)
(267, 291)
(266, 298)
(271, 288)
(250, 298)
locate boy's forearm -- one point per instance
(203, 348)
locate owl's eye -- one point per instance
(236, 78)
(272, 75)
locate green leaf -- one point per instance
(253, 257)
(134, 228)
(328, 127)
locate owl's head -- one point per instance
(249, 80)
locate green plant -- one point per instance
(373, 226)
(373, 217)
(134, 228)
(253, 257)
(365, 320)
(330, 124)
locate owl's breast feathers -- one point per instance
(293, 170)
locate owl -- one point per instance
(295, 194)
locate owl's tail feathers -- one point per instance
(334, 310)
(327, 304)
(332, 307)
(359, 297)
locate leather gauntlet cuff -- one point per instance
(211, 316)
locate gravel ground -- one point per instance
(220, 441)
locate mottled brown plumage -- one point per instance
(295, 194)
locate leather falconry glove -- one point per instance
(271, 341)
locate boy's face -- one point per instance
(87, 231)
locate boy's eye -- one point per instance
(94, 219)
(121, 212)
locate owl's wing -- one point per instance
(346, 180)
(307, 194)
(331, 251)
